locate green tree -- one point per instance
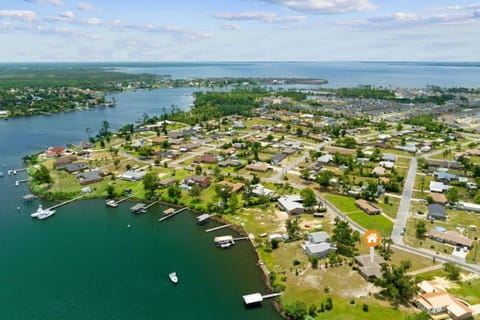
(344, 237)
(452, 195)
(42, 175)
(110, 191)
(293, 227)
(195, 191)
(420, 229)
(223, 192)
(453, 272)
(308, 197)
(233, 203)
(296, 310)
(174, 192)
(398, 287)
(150, 184)
(323, 178)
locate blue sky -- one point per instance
(239, 30)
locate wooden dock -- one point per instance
(150, 205)
(20, 181)
(241, 238)
(125, 199)
(172, 214)
(218, 228)
(29, 197)
(64, 203)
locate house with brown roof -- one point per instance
(158, 140)
(202, 181)
(451, 237)
(367, 207)
(258, 167)
(439, 198)
(207, 158)
(234, 187)
(368, 269)
(438, 303)
(55, 152)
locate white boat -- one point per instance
(46, 214)
(1, 174)
(42, 213)
(226, 245)
(173, 277)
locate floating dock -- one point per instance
(29, 197)
(218, 228)
(204, 218)
(139, 208)
(172, 214)
(257, 298)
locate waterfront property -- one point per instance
(132, 175)
(318, 244)
(292, 204)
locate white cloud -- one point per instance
(84, 6)
(267, 17)
(68, 15)
(91, 21)
(18, 14)
(230, 26)
(57, 3)
(183, 33)
(326, 6)
(458, 7)
(405, 19)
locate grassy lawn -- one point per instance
(468, 290)
(342, 203)
(378, 222)
(391, 208)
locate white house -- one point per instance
(318, 244)
(469, 206)
(436, 186)
(292, 204)
(132, 175)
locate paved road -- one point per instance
(403, 208)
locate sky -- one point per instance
(239, 30)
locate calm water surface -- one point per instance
(84, 263)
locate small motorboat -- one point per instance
(226, 245)
(173, 277)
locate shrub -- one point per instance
(365, 307)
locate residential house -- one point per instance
(278, 158)
(389, 157)
(325, 159)
(318, 244)
(258, 167)
(438, 187)
(438, 198)
(167, 182)
(437, 212)
(201, 181)
(55, 152)
(368, 269)
(229, 163)
(368, 207)
(443, 176)
(260, 190)
(438, 303)
(89, 177)
(65, 160)
(292, 204)
(72, 167)
(158, 140)
(234, 187)
(386, 164)
(444, 164)
(131, 175)
(451, 237)
(207, 158)
(379, 171)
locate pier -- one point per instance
(17, 183)
(218, 228)
(172, 214)
(241, 238)
(29, 197)
(138, 208)
(125, 199)
(204, 217)
(256, 298)
(64, 203)
(114, 204)
(150, 205)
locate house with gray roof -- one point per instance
(132, 175)
(437, 212)
(318, 244)
(292, 204)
